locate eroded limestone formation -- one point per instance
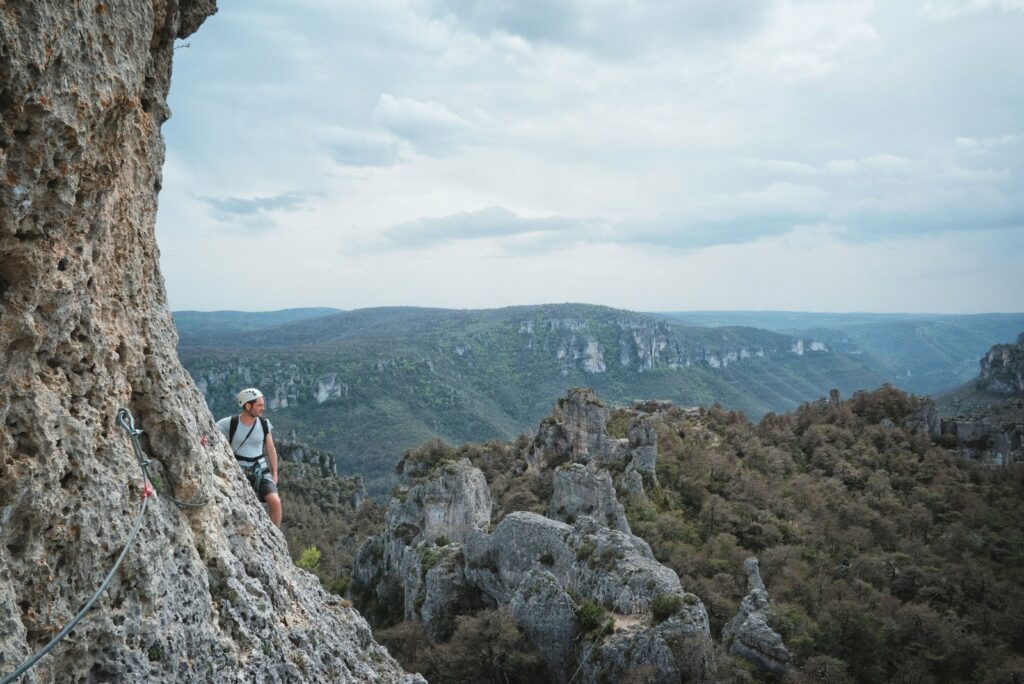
(440, 557)
(204, 594)
(748, 634)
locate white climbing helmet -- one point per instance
(247, 395)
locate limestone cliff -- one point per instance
(204, 594)
(1002, 369)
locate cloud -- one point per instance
(984, 145)
(533, 20)
(254, 212)
(873, 165)
(806, 41)
(353, 148)
(429, 126)
(944, 10)
(492, 222)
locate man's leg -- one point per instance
(273, 502)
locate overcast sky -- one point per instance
(706, 154)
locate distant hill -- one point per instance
(919, 353)
(368, 384)
(198, 324)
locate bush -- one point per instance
(309, 559)
(664, 606)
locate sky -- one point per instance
(836, 155)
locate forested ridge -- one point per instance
(888, 557)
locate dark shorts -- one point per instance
(266, 484)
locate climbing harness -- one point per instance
(127, 422)
(254, 470)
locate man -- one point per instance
(253, 446)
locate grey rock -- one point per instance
(579, 490)
(576, 432)
(545, 613)
(425, 523)
(291, 450)
(453, 502)
(677, 650)
(1002, 369)
(536, 565)
(749, 635)
(445, 590)
(925, 420)
(605, 565)
(85, 328)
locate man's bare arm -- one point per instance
(272, 457)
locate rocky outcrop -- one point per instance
(546, 614)
(84, 328)
(580, 490)
(989, 439)
(438, 558)
(925, 420)
(749, 635)
(290, 449)
(576, 431)
(1002, 369)
(675, 650)
(983, 420)
(418, 558)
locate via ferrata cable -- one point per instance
(147, 492)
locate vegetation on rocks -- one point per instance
(888, 557)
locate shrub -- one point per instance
(664, 606)
(309, 559)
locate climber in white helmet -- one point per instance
(248, 433)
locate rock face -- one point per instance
(1002, 369)
(439, 558)
(984, 420)
(749, 635)
(577, 432)
(579, 490)
(84, 328)
(418, 559)
(291, 450)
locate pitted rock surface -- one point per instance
(748, 634)
(204, 594)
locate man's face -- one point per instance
(256, 407)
